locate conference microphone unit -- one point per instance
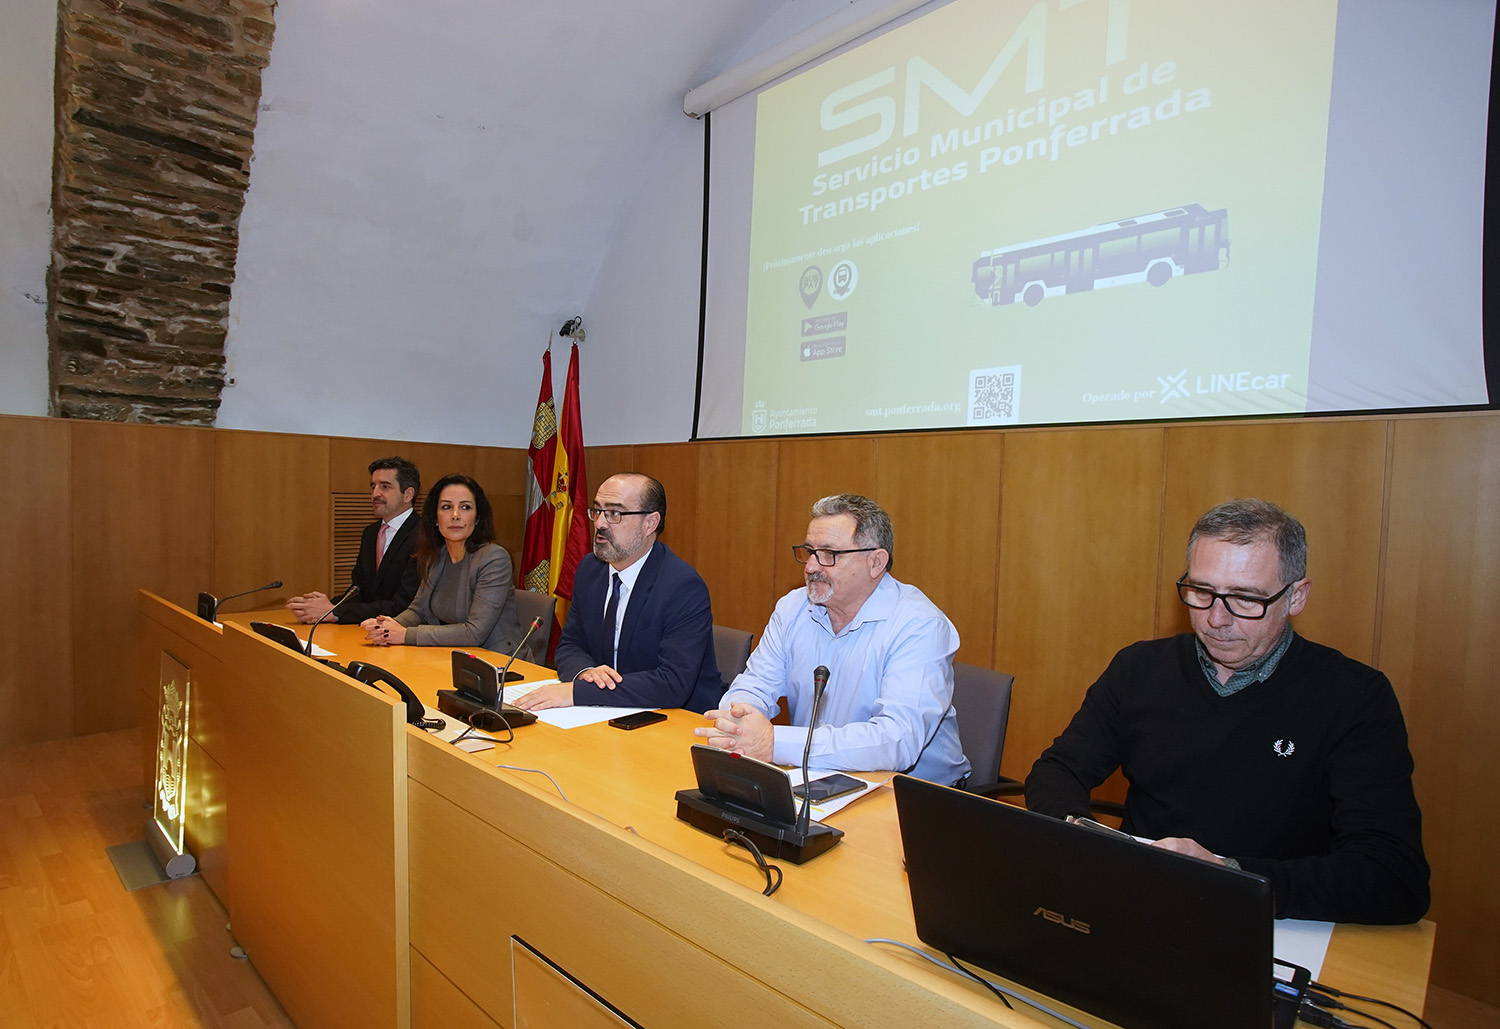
(506, 675)
(752, 798)
(478, 694)
(208, 604)
(349, 594)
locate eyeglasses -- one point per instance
(611, 515)
(825, 557)
(1236, 604)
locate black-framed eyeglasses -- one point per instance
(611, 515)
(825, 557)
(1236, 604)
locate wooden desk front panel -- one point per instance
(318, 836)
(546, 999)
(666, 938)
(437, 1004)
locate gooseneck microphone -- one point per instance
(505, 672)
(349, 594)
(471, 700)
(208, 604)
(820, 683)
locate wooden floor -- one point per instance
(75, 948)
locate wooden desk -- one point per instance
(666, 923)
(300, 775)
(372, 904)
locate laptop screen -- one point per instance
(1135, 934)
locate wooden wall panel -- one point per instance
(36, 664)
(1440, 645)
(806, 471)
(602, 462)
(349, 461)
(272, 515)
(942, 491)
(1079, 517)
(675, 466)
(735, 546)
(145, 524)
(1330, 474)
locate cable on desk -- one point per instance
(740, 839)
(1328, 992)
(979, 979)
(537, 771)
(510, 734)
(1012, 994)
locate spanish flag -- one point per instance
(569, 497)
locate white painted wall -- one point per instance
(28, 30)
(642, 319)
(435, 189)
(433, 192)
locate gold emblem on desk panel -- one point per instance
(171, 749)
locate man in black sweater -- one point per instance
(1247, 745)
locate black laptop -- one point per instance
(1134, 934)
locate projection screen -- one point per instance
(1008, 212)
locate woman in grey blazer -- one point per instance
(467, 596)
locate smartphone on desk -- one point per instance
(828, 787)
(638, 719)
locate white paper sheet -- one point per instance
(568, 717)
(1302, 943)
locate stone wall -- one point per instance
(156, 109)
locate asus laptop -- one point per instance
(1136, 935)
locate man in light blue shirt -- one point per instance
(888, 649)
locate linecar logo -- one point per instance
(1173, 386)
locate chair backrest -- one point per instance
(540, 606)
(981, 699)
(731, 651)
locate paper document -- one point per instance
(568, 717)
(1302, 943)
(474, 742)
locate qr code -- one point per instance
(994, 396)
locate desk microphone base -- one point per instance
(481, 716)
(774, 840)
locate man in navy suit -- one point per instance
(639, 632)
(386, 569)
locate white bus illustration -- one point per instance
(1150, 248)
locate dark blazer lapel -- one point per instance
(388, 569)
(640, 594)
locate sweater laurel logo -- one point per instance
(1284, 748)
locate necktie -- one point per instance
(380, 543)
(609, 615)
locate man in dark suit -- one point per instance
(639, 632)
(386, 569)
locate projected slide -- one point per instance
(1005, 213)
